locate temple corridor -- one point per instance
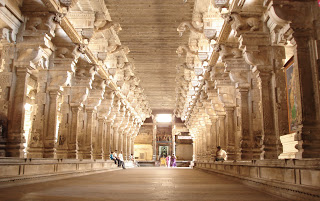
(146, 183)
(222, 91)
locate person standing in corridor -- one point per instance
(121, 161)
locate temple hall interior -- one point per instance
(160, 100)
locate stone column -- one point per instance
(106, 148)
(125, 147)
(99, 140)
(52, 124)
(37, 135)
(208, 139)
(230, 133)
(84, 140)
(129, 145)
(268, 135)
(213, 132)
(221, 131)
(154, 141)
(308, 119)
(291, 23)
(116, 138)
(64, 135)
(132, 145)
(73, 138)
(245, 142)
(14, 147)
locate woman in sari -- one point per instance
(173, 161)
(168, 160)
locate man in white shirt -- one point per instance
(116, 156)
(221, 155)
(121, 161)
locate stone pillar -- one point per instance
(14, 147)
(221, 131)
(291, 24)
(107, 147)
(99, 140)
(116, 138)
(245, 142)
(154, 141)
(269, 141)
(132, 145)
(37, 135)
(121, 141)
(213, 132)
(208, 139)
(84, 140)
(125, 147)
(64, 134)
(309, 124)
(52, 124)
(230, 133)
(128, 146)
(73, 138)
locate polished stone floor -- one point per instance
(139, 184)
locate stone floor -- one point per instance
(139, 184)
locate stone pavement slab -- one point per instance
(139, 184)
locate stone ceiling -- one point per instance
(149, 29)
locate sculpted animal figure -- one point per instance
(183, 27)
(238, 23)
(183, 48)
(225, 51)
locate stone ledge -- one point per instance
(14, 168)
(300, 182)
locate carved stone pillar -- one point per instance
(98, 139)
(52, 124)
(230, 133)
(213, 131)
(129, 145)
(269, 141)
(154, 141)
(64, 135)
(14, 147)
(116, 138)
(245, 142)
(106, 150)
(84, 140)
(132, 145)
(125, 147)
(74, 130)
(37, 135)
(221, 137)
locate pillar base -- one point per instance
(83, 154)
(289, 143)
(35, 152)
(96, 156)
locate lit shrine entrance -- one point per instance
(163, 151)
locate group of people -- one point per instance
(171, 161)
(118, 159)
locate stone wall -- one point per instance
(12, 169)
(293, 179)
(184, 151)
(143, 152)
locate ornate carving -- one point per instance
(227, 51)
(186, 49)
(239, 23)
(185, 66)
(68, 3)
(195, 29)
